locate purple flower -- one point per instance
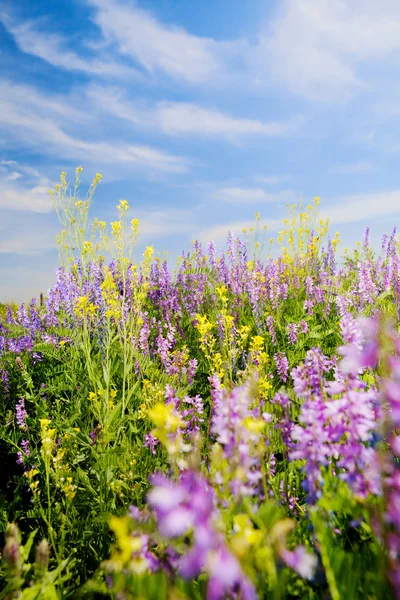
(226, 574)
(271, 329)
(188, 506)
(303, 326)
(282, 366)
(334, 431)
(362, 351)
(21, 414)
(292, 333)
(301, 561)
(239, 443)
(151, 442)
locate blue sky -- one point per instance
(197, 113)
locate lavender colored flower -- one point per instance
(151, 442)
(188, 506)
(271, 329)
(362, 350)
(335, 431)
(301, 561)
(239, 442)
(303, 326)
(21, 414)
(292, 333)
(282, 366)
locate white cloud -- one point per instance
(272, 179)
(163, 223)
(352, 168)
(363, 207)
(184, 118)
(52, 48)
(163, 48)
(340, 211)
(239, 195)
(318, 49)
(32, 119)
(33, 195)
(18, 197)
(187, 119)
(26, 228)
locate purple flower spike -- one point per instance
(301, 561)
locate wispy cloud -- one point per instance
(343, 210)
(240, 195)
(53, 48)
(186, 119)
(352, 168)
(363, 207)
(162, 48)
(163, 223)
(272, 179)
(31, 119)
(319, 49)
(22, 188)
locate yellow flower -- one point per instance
(83, 307)
(222, 293)
(135, 225)
(257, 343)
(254, 425)
(116, 228)
(31, 474)
(97, 179)
(123, 205)
(163, 415)
(148, 253)
(245, 537)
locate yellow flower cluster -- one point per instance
(260, 359)
(135, 226)
(61, 467)
(245, 537)
(98, 177)
(167, 422)
(153, 392)
(94, 398)
(33, 483)
(110, 295)
(48, 439)
(128, 554)
(264, 545)
(84, 308)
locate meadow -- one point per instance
(230, 430)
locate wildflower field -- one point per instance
(230, 430)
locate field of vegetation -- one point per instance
(227, 431)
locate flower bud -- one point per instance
(11, 553)
(42, 553)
